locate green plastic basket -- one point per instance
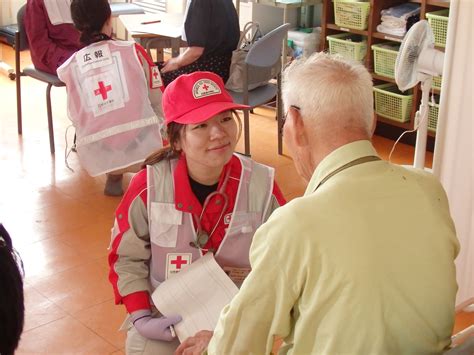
(351, 14)
(391, 103)
(433, 112)
(348, 45)
(437, 81)
(385, 55)
(438, 21)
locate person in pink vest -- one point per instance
(51, 34)
(114, 98)
(192, 197)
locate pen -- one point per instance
(173, 332)
(149, 22)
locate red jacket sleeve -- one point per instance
(50, 45)
(278, 195)
(137, 189)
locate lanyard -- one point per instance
(355, 162)
(202, 236)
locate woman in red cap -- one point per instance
(192, 197)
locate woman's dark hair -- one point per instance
(12, 309)
(169, 152)
(89, 16)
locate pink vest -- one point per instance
(108, 105)
(172, 231)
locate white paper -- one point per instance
(58, 11)
(198, 293)
(170, 25)
(160, 29)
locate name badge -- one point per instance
(95, 57)
(155, 77)
(237, 274)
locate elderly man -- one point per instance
(363, 263)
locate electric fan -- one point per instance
(418, 61)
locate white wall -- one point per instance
(268, 17)
(175, 6)
(453, 160)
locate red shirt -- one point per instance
(50, 45)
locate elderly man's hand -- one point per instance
(195, 345)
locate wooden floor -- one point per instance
(60, 221)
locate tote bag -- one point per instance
(250, 35)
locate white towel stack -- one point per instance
(394, 19)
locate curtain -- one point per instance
(453, 161)
(8, 10)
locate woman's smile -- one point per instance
(220, 147)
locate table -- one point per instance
(163, 34)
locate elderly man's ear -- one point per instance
(297, 131)
(374, 125)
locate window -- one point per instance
(152, 6)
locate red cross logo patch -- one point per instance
(204, 88)
(102, 90)
(175, 262)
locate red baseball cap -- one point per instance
(196, 97)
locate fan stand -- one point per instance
(421, 121)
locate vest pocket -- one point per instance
(164, 224)
(244, 223)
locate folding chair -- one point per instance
(463, 341)
(261, 63)
(21, 41)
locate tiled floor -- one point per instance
(60, 222)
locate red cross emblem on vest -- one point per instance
(205, 87)
(179, 261)
(102, 90)
(175, 262)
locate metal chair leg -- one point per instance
(247, 132)
(18, 103)
(279, 109)
(50, 118)
(18, 83)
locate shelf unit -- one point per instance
(386, 127)
(287, 5)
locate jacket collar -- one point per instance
(338, 158)
(185, 200)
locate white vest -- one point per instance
(172, 231)
(108, 105)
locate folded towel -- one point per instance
(391, 31)
(402, 11)
(395, 22)
(59, 11)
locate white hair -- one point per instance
(330, 90)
